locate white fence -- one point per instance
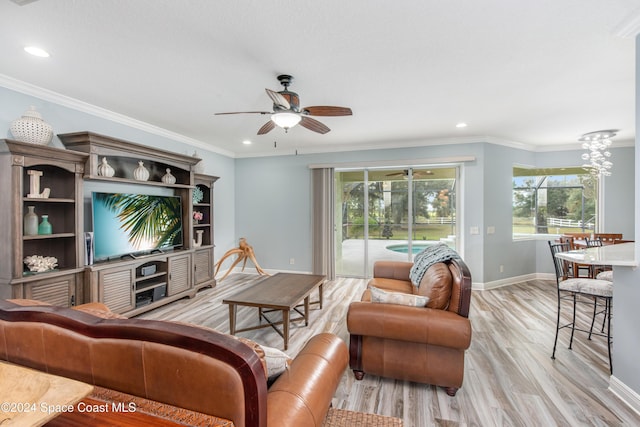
(559, 222)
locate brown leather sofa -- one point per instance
(185, 367)
(420, 344)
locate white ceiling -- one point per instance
(537, 73)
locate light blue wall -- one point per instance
(626, 294)
(64, 120)
(273, 207)
(268, 200)
(517, 258)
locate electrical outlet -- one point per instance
(292, 261)
(474, 230)
(502, 269)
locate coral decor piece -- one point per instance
(244, 251)
(198, 195)
(40, 264)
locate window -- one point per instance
(553, 201)
(392, 214)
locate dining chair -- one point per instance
(571, 288)
(608, 238)
(580, 236)
(577, 268)
(593, 243)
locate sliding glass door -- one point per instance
(391, 214)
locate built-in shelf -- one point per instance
(60, 174)
(49, 236)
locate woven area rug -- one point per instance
(344, 418)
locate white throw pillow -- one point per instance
(277, 361)
(274, 361)
(386, 297)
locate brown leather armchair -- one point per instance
(420, 344)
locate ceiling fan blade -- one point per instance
(244, 112)
(278, 99)
(314, 125)
(325, 110)
(396, 174)
(266, 128)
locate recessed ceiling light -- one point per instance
(246, 142)
(36, 51)
(461, 125)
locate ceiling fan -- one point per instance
(287, 112)
(416, 174)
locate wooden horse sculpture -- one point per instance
(244, 251)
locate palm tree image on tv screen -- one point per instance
(135, 224)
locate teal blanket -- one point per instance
(427, 257)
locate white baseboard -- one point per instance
(479, 286)
(628, 396)
(252, 270)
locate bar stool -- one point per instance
(570, 288)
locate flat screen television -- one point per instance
(134, 224)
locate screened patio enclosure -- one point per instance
(391, 214)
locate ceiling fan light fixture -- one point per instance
(286, 119)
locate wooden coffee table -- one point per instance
(283, 292)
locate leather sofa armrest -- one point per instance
(398, 270)
(301, 396)
(413, 324)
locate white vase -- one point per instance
(168, 178)
(31, 128)
(197, 242)
(141, 173)
(30, 222)
(105, 169)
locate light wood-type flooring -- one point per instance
(510, 379)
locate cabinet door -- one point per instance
(58, 291)
(116, 288)
(179, 274)
(203, 265)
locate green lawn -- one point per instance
(420, 232)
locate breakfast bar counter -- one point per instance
(622, 254)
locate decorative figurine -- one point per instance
(244, 251)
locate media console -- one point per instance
(133, 285)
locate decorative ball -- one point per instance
(31, 128)
(141, 173)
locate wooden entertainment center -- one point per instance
(130, 285)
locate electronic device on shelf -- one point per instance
(127, 224)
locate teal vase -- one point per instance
(45, 226)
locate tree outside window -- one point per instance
(553, 201)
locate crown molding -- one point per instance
(384, 145)
(75, 104)
(578, 146)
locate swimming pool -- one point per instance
(404, 248)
